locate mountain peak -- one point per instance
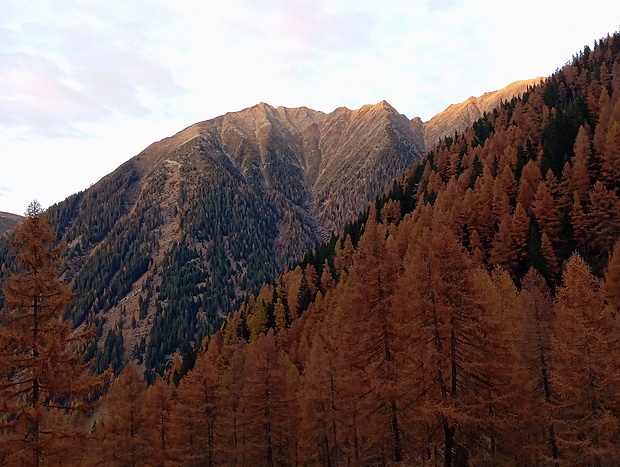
(385, 105)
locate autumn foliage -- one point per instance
(45, 386)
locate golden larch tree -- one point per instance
(159, 400)
(269, 405)
(535, 322)
(197, 414)
(320, 434)
(611, 157)
(458, 341)
(374, 345)
(578, 176)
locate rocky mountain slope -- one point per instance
(458, 117)
(8, 221)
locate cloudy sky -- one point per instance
(86, 85)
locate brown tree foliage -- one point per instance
(585, 366)
(612, 280)
(44, 383)
(123, 434)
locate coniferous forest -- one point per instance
(469, 317)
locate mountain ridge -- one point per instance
(461, 115)
(456, 116)
(8, 221)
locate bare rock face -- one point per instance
(458, 117)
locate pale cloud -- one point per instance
(59, 70)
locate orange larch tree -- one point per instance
(269, 405)
(159, 400)
(585, 367)
(545, 209)
(320, 399)
(611, 157)
(603, 223)
(43, 377)
(612, 280)
(124, 426)
(577, 177)
(372, 340)
(502, 251)
(197, 415)
(458, 378)
(535, 322)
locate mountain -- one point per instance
(161, 249)
(8, 221)
(459, 117)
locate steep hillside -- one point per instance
(8, 221)
(162, 248)
(459, 117)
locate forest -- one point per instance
(469, 317)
